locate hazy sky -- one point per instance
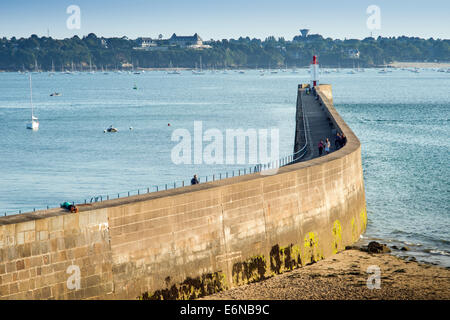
(225, 18)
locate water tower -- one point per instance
(304, 32)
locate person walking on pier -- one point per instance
(194, 180)
(327, 146)
(320, 147)
(337, 142)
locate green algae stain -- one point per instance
(284, 258)
(191, 288)
(337, 236)
(251, 270)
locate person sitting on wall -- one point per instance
(194, 180)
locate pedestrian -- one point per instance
(337, 142)
(343, 140)
(327, 146)
(320, 147)
(194, 180)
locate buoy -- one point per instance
(131, 128)
(168, 124)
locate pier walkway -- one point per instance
(318, 125)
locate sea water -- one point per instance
(401, 119)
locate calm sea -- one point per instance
(401, 118)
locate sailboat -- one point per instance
(34, 124)
(172, 71)
(36, 69)
(53, 70)
(199, 71)
(90, 66)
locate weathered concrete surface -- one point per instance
(191, 241)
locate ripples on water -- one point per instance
(402, 120)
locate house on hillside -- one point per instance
(194, 42)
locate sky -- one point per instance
(226, 19)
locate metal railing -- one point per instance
(281, 162)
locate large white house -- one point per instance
(194, 42)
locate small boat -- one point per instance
(196, 71)
(111, 129)
(55, 94)
(34, 124)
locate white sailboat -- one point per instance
(171, 71)
(199, 71)
(34, 124)
(52, 73)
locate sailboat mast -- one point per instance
(31, 99)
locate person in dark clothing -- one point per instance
(194, 180)
(343, 140)
(320, 147)
(337, 142)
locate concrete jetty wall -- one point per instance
(192, 241)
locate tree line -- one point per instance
(46, 53)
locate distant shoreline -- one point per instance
(400, 64)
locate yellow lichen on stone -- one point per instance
(354, 230)
(363, 218)
(311, 252)
(337, 236)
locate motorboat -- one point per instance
(111, 129)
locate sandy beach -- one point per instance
(344, 277)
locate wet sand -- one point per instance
(344, 276)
